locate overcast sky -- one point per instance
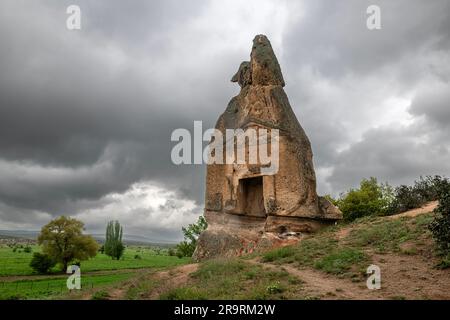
(86, 115)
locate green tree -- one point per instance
(191, 233)
(113, 243)
(63, 240)
(370, 199)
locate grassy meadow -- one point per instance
(54, 287)
(18, 281)
(17, 263)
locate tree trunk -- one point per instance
(65, 263)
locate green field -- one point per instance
(17, 263)
(18, 281)
(49, 287)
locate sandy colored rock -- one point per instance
(243, 202)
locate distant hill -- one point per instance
(129, 239)
(22, 234)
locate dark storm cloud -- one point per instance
(344, 80)
(67, 105)
(392, 155)
(88, 114)
(332, 37)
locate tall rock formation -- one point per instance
(246, 207)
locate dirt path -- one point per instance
(402, 277)
(173, 278)
(428, 207)
(318, 284)
(166, 279)
(412, 277)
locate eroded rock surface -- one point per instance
(246, 208)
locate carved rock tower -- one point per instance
(247, 208)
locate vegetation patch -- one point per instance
(348, 256)
(388, 234)
(281, 253)
(306, 253)
(440, 226)
(51, 287)
(235, 279)
(141, 287)
(14, 263)
(340, 260)
(100, 295)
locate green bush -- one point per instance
(428, 188)
(27, 249)
(440, 226)
(406, 198)
(42, 263)
(185, 249)
(370, 199)
(191, 233)
(411, 197)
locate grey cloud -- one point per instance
(333, 37)
(87, 114)
(434, 104)
(394, 155)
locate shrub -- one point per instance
(191, 233)
(42, 263)
(370, 199)
(185, 249)
(411, 197)
(171, 252)
(137, 257)
(440, 226)
(406, 198)
(428, 188)
(27, 249)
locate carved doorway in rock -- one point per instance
(252, 196)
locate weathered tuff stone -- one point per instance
(247, 210)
